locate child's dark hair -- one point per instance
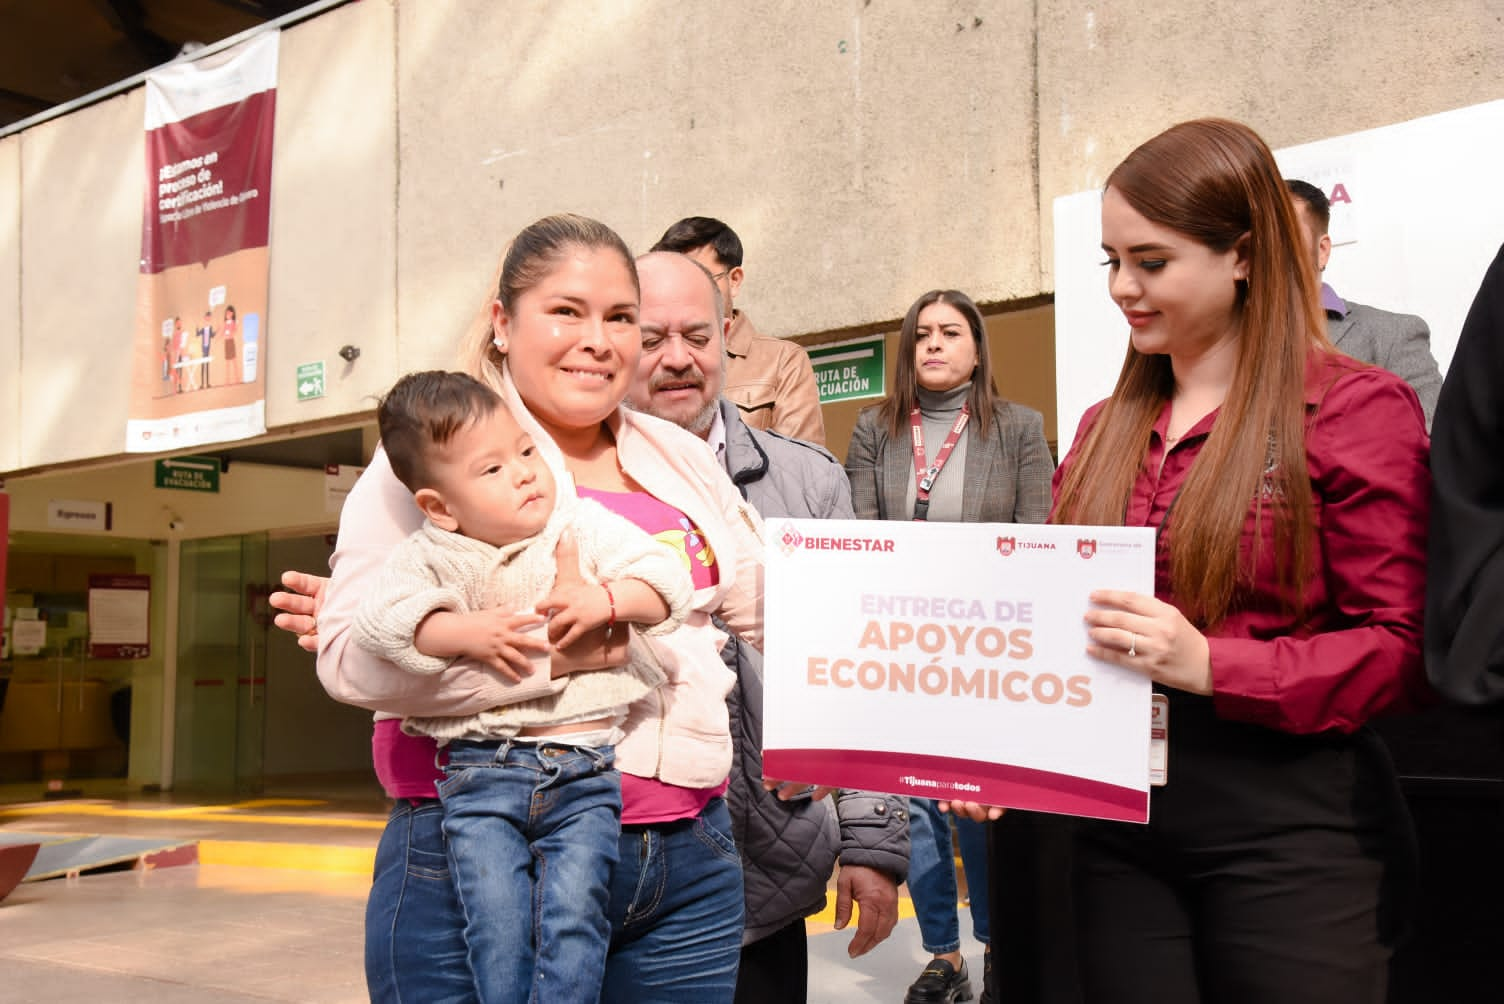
(425, 410)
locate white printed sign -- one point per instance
(948, 660)
(1395, 245)
(28, 637)
(119, 616)
(78, 514)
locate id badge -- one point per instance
(1159, 740)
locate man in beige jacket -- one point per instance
(770, 380)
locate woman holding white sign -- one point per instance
(1289, 485)
(944, 446)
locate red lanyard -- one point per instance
(924, 477)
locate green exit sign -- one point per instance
(189, 474)
(845, 371)
(310, 380)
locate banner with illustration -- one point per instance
(200, 334)
(948, 660)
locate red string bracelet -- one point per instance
(611, 621)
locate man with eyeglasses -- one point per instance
(770, 380)
(789, 842)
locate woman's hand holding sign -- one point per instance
(975, 811)
(1151, 637)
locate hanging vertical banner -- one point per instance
(201, 304)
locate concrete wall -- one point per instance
(81, 196)
(332, 230)
(865, 151)
(333, 226)
(1113, 75)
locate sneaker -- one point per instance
(940, 983)
(987, 988)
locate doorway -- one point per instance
(251, 717)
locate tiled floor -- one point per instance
(195, 933)
(232, 933)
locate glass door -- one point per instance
(221, 674)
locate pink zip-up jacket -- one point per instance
(679, 733)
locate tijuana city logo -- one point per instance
(1008, 545)
(1086, 547)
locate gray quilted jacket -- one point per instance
(789, 849)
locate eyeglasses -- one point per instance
(720, 275)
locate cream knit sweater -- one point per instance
(435, 569)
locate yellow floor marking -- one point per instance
(286, 803)
(348, 824)
(85, 809)
(298, 857)
(276, 880)
(213, 813)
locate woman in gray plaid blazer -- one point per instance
(1000, 469)
(982, 460)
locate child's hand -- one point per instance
(503, 641)
(574, 609)
(499, 639)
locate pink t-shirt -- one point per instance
(406, 765)
(643, 799)
(666, 525)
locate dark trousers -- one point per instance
(1274, 868)
(1029, 885)
(775, 968)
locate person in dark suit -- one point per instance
(1465, 571)
(982, 459)
(1400, 343)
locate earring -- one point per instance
(501, 346)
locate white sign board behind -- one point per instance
(948, 660)
(1419, 217)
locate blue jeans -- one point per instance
(532, 832)
(415, 931)
(932, 876)
(676, 912)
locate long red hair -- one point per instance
(1216, 181)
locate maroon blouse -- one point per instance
(1356, 650)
